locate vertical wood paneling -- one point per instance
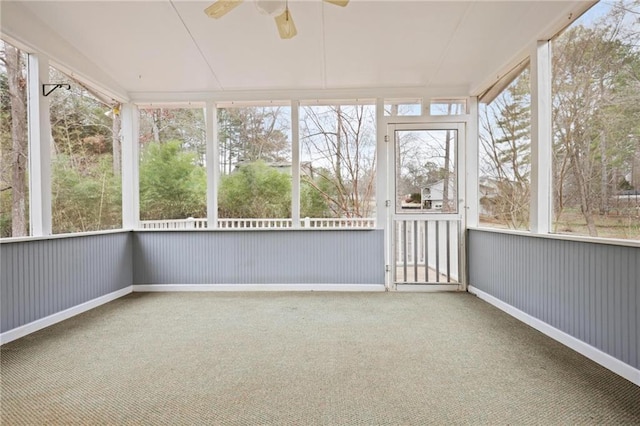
(41, 277)
(259, 257)
(587, 290)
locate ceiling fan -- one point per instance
(279, 9)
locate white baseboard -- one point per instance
(16, 333)
(258, 287)
(622, 369)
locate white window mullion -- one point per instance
(541, 138)
(213, 164)
(295, 163)
(40, 142)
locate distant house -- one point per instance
(433, 194)
(431, 197)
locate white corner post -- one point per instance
(130, 166)
(212, 163)
(541, 138)
(471, 166)
(295, 163)
(40, 145)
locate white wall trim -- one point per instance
(258, 287)
(562, 237)
(63, 236)
(32, 327)
(622, 369)
(327, 95)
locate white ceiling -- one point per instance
(171, 48)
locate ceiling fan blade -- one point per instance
(221, 8)
(341, 3)
(286, 27)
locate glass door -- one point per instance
(426, 212)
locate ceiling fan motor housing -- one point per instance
(270, 7)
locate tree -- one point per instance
(186, 125)
(172, 185)
(340, 143)
(313, 202)
(85, 149)
(116, 143)
(6, 160)
(16, 85)
(505, 139)
(88, 200)
(250, 134)
(596, 92)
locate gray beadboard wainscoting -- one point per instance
(42, 277)
(588, 290)
(259, 257)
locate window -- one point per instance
(337, 160)
(402, 107)
(505, 156)
(173, 179)
(14, 196)
(448, 107)
(596, 158)
(86, 178)
(255, 164)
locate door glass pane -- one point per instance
(426, 180)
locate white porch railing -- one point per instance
(189, 223)
(254, 223)
(426, 251)
(307, 222)
(356, 222)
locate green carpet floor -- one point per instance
(304, 359)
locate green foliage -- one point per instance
(175, 124)
(5, 214)
(316, 196)
(88, 201)
(255, 190)
(172, 185)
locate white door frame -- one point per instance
(390, 126)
